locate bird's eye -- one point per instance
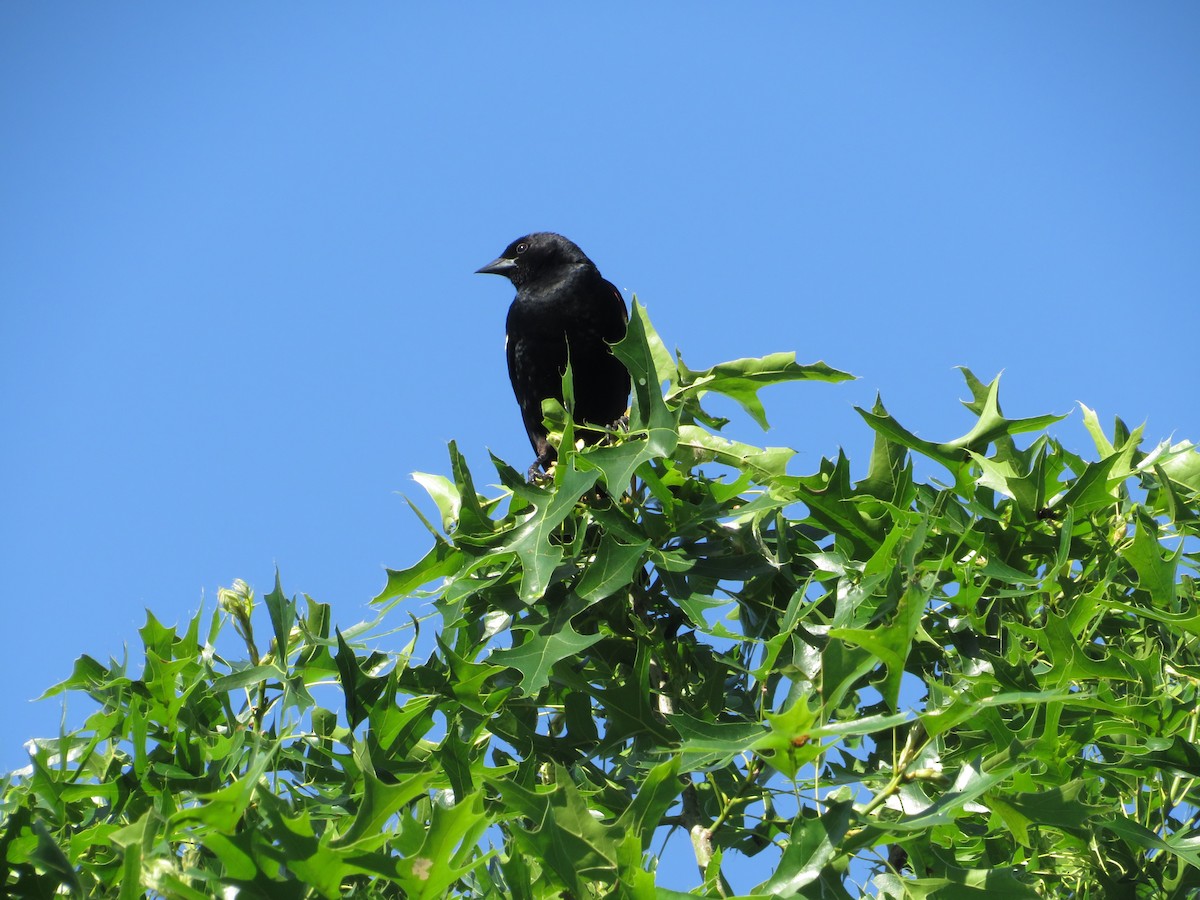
(522, 247)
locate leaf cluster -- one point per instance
(984, 683)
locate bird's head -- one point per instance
(535, 256)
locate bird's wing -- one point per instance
(520, 348)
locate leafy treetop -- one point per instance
(980, 685)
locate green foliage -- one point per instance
(983, 684)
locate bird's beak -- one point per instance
(499, 266)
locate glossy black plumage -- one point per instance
(563, 306)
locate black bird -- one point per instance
(564, 307)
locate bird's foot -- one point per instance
(542, 470)
(609, 434)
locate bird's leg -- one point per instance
(541, 466)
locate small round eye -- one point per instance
(522, 247)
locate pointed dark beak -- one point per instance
(499, 266)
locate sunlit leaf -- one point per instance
(538, 654)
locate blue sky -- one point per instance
(237, 305)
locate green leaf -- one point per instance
(959, 884)
(612, 568)
(642, 353)
(765, 465)
(1124, 449)
(531, 541)
(473, 519)
(965, 707)
(970, 784)
(657, 792)
(714, 743)
(790, 745)
(360, 688)
(247, 676)
(562, 832)
(893, 644)
(444, 494)
(1183, 465)
(1059, 806)
(814, 842)
(380, 801)
(441, 561)
(1024, 488)
(742, 379)
(1156, 574)
(539, 653)
(221, 809)
(886, 425)
(1186, 847)
(282, 612)
(992, 424)
(1092, 423)
(616, 462)
(447, 853)
(1093, 489)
